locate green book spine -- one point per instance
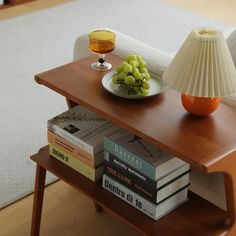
(130, 158)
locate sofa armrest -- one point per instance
(230, 36)
(157, 60)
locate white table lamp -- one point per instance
(203, 71)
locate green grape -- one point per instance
(142, 64)
(147, 76)
(137, 75)
(124, 63)
(119, 68)
(129, 80)
(115, 79)
(127, 68)
(143, 75)
(145, 85)
(122, 75)
(144, 92)
(134, 63)
(143, 70)
(131, 57)
(134, 70)
(139, 58)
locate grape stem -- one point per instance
(131, 87)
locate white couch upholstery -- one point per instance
(211, 186)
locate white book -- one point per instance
(82, 128)
(155, 211)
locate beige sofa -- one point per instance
(210, 187)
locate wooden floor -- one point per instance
(67, 212)
(222, 10)
(33, 6)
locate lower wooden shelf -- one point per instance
(195, 217)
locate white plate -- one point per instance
(157, 86)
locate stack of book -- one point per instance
(76, 138)
(143, 175)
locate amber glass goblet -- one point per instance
(101, 42)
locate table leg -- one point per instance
(70, 103)
(227, 166)
(98, 207)
(38, 200)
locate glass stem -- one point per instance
(101, 59)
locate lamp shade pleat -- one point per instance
(203, 66)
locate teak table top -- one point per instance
(162, 120)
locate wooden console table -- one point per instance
(208, 144)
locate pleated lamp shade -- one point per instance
(203, 66)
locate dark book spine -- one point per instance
(131, 170)
(122, 177)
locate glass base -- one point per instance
(101, 66)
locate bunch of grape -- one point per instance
(133, 73)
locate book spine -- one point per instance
(135, 174)
(131, 170)
(130, 158)
(93, 174)
(152, 194)
(127, 181)
(76, 141)
(129, 197)
(140, 203)
(74, 150)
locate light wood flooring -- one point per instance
(33, 6)
(65, 211)
(222, 10)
